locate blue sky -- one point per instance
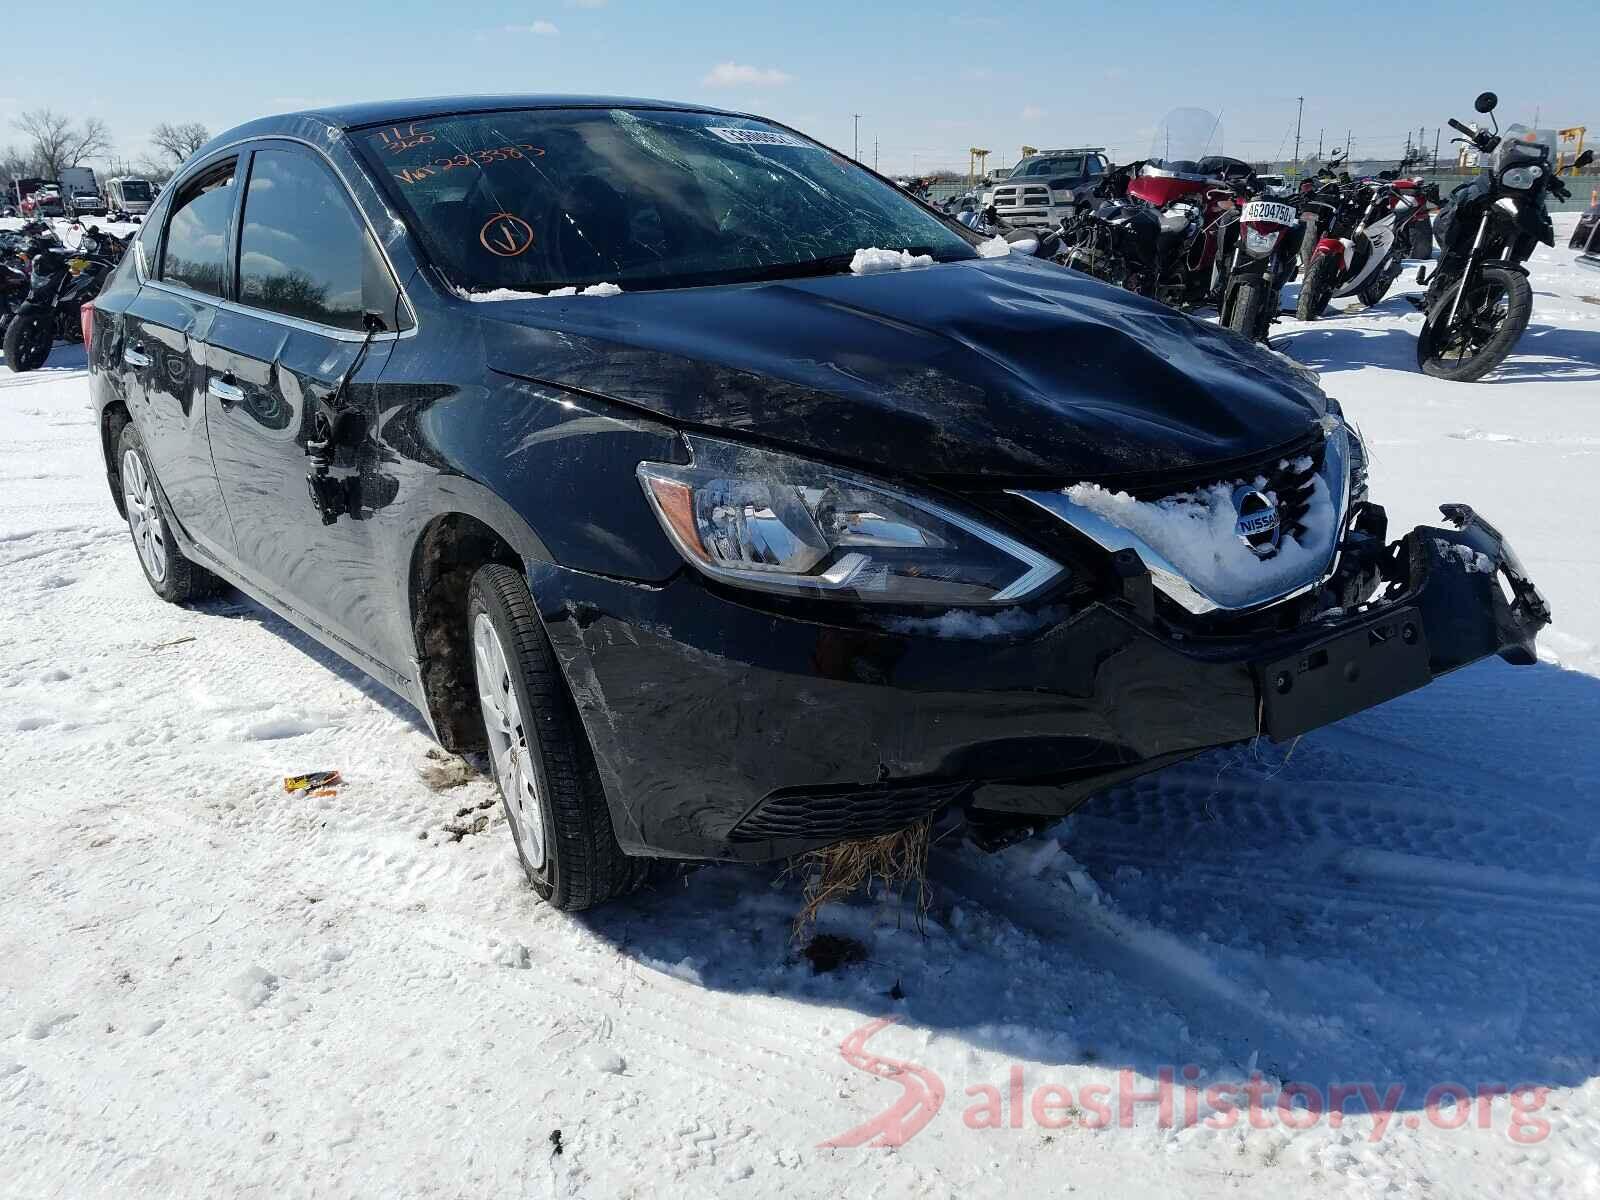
(929, 79)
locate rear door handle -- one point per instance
(135, 356)
(225, 390)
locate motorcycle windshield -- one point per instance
(1519, 144)
(1184, 139)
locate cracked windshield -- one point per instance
(540, 200)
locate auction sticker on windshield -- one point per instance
(758, 137)
(1267, 211)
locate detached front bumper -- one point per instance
(725, 730)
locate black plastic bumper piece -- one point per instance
(726, 729)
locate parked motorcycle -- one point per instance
(1264, 259)
(1164, 225)
(1358, 250)
(1479, 300)
(60, 281)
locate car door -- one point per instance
(183, 257)
(290, 366)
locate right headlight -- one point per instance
(1520, 178)
(770, 521)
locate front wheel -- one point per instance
(1245, 313)
(1492, 315)
(28, 341)
(540, 754)
(1317, 289)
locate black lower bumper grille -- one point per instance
(813, 815)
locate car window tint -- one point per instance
(544, 199)
(195, 253)
(303, 251)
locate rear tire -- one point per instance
(171, 576)
(1244, 314)
(1375, 289)
(1422, 239)
(540, 754)
(29, 338)
(1317, 289)
(1440, 352)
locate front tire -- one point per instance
(28, 341)
(170, 575)
(1245, 311)
(1317, 289)
(1494, 315)
(540, 755)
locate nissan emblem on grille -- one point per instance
(1258, 526)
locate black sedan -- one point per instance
(734, 500)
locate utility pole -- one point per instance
(857, 155)
(1436, 133)
(1347, 144)
(874, 154)
(1319, 145)
(1298, 114)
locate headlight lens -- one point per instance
(781, 524)
(1520, 178)
(1260, 240)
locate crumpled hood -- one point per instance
(1003, 368)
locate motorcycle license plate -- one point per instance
(1273, 214)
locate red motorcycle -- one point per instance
(1166, 224)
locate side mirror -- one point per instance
(1486, 102)
(1583, 160)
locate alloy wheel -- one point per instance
(509, 748)
(144, 519)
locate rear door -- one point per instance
(184, 257)
(290, 366)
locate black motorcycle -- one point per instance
(1479, 300)
(60, 281)
(1265, 257)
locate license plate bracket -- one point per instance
(1344, 674)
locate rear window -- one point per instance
(195, 251)
(1051, 166)
(136, 190)
(538, 200)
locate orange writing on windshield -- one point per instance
(506, 235)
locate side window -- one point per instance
(195, 252)
(303, 251)
(1096, 165)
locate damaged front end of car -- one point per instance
(788, 693)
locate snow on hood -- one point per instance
(599, 289)
(873, 261)
(1196, 533)
(995, 247)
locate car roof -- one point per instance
(386, 112)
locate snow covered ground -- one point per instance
(210, 988)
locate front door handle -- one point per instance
(225, 390)
(135, 356)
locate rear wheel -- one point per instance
(1245, 311)
(541, 757)
(170, 575)
(28, 341)
(1422, 239)
(1317, 288)
(1375, 289)
(1492, 315)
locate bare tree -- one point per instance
(57, 142)
(178, 142)
(15, 164)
